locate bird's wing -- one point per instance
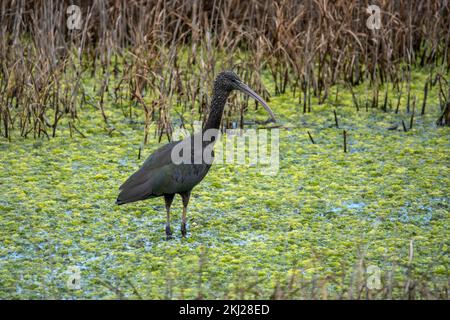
(158, 159)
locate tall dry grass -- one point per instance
(172, 50)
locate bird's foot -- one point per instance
(183, 229)
(168, 233)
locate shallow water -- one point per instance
(246, 232)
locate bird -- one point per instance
(161, 176)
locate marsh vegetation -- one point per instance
(363, 178)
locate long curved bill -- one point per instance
(246, 89)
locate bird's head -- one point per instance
(228, 80)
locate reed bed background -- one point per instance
(170, 52)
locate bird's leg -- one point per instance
(185, 196)
(168, 199)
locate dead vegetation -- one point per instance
(155, 54)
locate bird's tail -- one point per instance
(134, 193)
(119, 201)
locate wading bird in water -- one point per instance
(161, 176)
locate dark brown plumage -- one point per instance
(161, 176)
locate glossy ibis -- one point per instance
(161, 176)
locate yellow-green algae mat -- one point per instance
(311, 231)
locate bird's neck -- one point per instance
(217, 105)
